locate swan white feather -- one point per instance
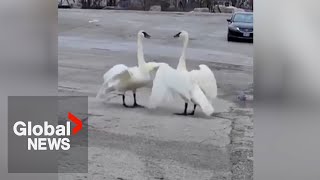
(206, 80)
(110, 78)
(199, 98)
(167, 83)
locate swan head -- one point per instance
(182, 34)
(143, 34)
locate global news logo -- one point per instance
(52, 137)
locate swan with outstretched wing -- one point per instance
(120, 78)
(169, 82)
(197, 86)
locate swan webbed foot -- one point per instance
(133, 106)
(138, 106)
(194, 110)
(126, 106)
(184, 112)
(181, 114)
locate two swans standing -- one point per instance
(197, 86)
(121, 78)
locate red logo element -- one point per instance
(77, 121)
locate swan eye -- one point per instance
(177, 35)
(146, 35)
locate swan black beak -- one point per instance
(177, 35)
(146, 35)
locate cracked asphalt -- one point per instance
(138, 144)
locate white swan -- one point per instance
(203, 76)
(197, 86)
(121, 78)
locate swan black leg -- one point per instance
(124, 101)
(194, 110)
(184, 112)
(135, 104)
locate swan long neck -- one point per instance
(182, 60)
(140, 54)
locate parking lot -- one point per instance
(139, 143)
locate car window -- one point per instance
(246, 18)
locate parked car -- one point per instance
(240, 26)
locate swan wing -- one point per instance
(117, 72)
(153, 67)
(198, 97)
(206, 80)
(167, 82)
